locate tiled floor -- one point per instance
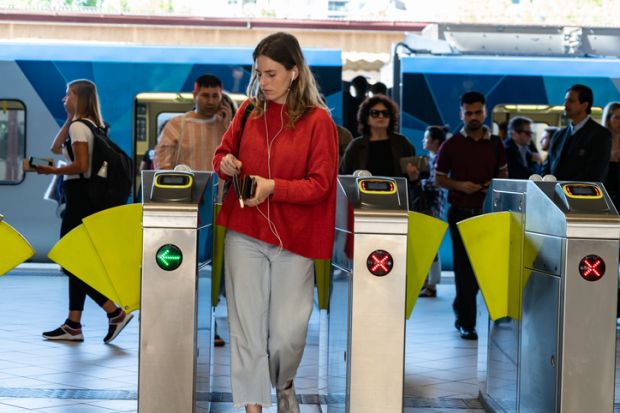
(54, 377)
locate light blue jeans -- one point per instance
(269, 294)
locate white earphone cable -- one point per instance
(270, 223)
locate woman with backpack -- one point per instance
(75, 142)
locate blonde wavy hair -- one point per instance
(87, 100)
(303, 95)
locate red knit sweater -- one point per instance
(304, 166)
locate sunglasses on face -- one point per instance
(527, 132)
(377, 113)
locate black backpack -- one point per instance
(111, 170)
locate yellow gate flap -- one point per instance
(15, 249)
(423, 239)
(116, 234)
(76, 253)
(493, 243)
(217, 260)
(322, 271)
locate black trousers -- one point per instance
(78, 207)
(466, 284)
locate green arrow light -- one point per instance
(169, 257)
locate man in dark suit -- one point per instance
(522, 160)
(580, 151)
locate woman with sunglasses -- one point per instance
(379, 149)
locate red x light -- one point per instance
(592, 268)
(379, 263)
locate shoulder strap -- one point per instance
(93, 128)
(68, 140)
(246, 113)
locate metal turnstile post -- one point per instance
(169, 366)
(565, 358)
(366, 342)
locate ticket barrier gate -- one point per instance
(15, 248)
(366, 324)
(176, 313)
(555, 351)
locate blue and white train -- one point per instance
(137, 86)
(431, 86)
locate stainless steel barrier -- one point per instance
(366, 337)
(560, 356)
(175, 311)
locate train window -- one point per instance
(12, 141)
(542, 116)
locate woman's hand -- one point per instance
(230, 165)
(225, 112)
(412, 172)
(264, 188)
(46, 170)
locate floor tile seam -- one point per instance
(100, 394)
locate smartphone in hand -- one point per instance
(34, 162)
(245, 187)
(249, 187)
(30, 164)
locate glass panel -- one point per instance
(12, 141)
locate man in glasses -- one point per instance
(581, 150)
(466, 164)
(523, 162)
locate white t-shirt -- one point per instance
(79, 132)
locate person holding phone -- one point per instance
(75, 142)
(191, 138)
(289, 145)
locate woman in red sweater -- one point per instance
(289, 146)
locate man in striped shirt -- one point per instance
(190, 139)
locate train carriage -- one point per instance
(33, 81)
(534, 86)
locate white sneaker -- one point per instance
(116, 325)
